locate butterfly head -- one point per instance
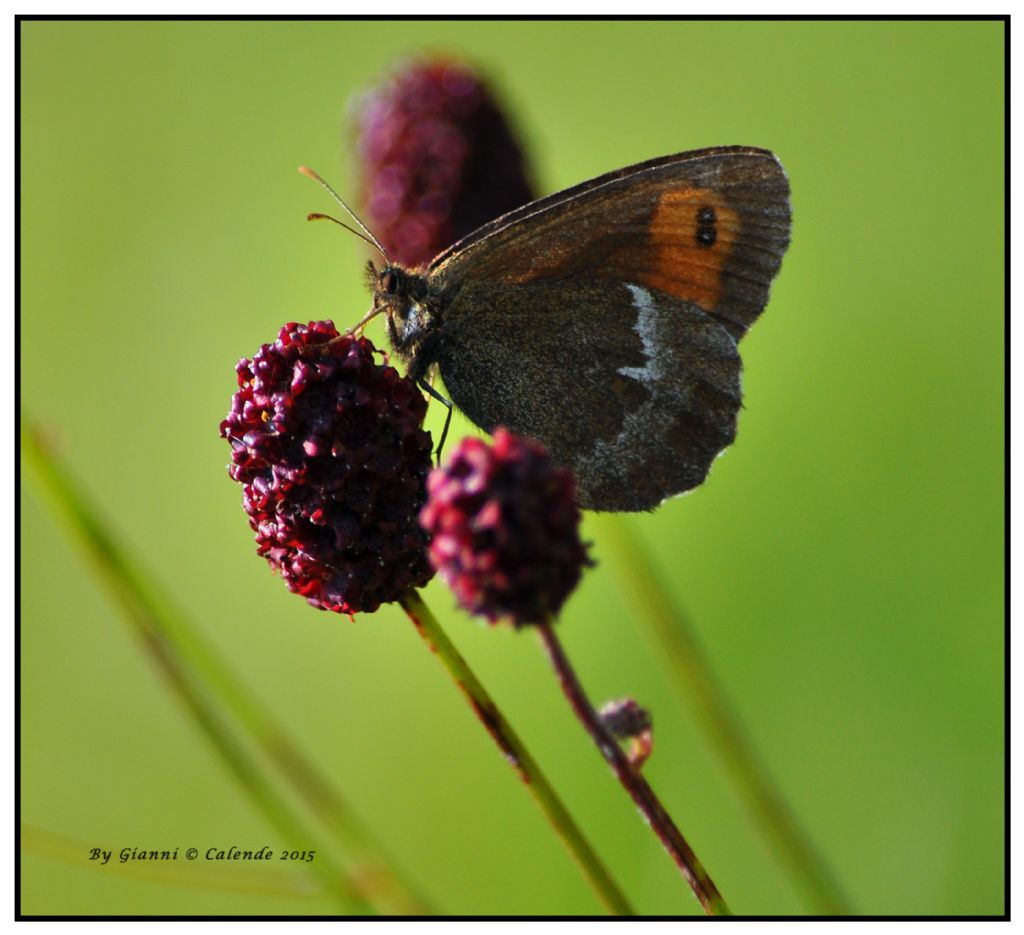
(397, 293)
(402, 297)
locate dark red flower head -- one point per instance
(438, 159)
(505, 529)
(329, 448)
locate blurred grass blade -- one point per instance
(673, 639)
(209, 688)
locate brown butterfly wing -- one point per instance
(637, 419)
(708, 227)
(603, 320)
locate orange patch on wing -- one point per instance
(685, 267)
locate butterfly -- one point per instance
(603, 321)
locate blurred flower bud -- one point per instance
(438, 159)
(626, 720)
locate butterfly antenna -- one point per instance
(317, 216)
(369, 238)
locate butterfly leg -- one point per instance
(448, 419)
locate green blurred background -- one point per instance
(843, 566)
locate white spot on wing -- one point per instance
(610, 456)
(646, 327)
(628, 455)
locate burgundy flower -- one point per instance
(505, 529)
(438, 159)
(329, 449)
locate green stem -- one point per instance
(674, 640)
(206, 686)
(515, 752)
(632, 781)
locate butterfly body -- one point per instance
(604, 320)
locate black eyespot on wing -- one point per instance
(707, 232)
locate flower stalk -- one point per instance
(513, 749)
(631, 779)
(673, 638)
